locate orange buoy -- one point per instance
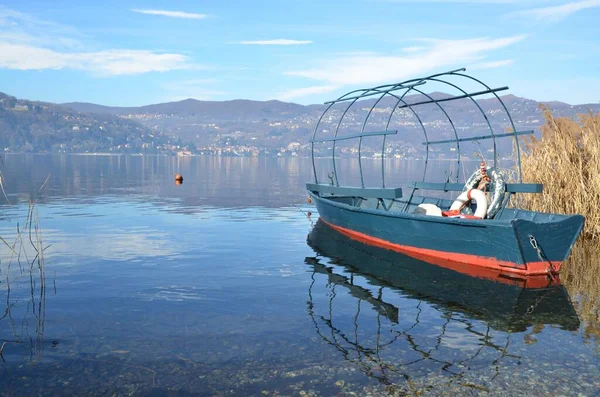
(178, 179)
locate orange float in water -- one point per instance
(178, 179)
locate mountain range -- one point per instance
(241, 127)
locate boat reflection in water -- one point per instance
(428, 325)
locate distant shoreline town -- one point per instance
(243, 128)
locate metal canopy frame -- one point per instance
(399, 91)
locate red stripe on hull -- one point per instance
(535, 274)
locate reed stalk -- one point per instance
(567, 161)
(26, 245)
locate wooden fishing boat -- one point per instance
(477, 232)
(395, 318)
(505, 304)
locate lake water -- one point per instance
(225, 286)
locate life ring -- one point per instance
(465, 197)
(497, 188)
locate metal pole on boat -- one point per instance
(337, 182)
(312, 142)
(400, 99)
(451, 124)
(362, 131)
(509, 118)
(478, 107)
(362, 181)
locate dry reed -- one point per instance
(567, 161)
(26, 250)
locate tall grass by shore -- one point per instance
(23, 287)
(567, 161)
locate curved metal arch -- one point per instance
(312, 144)
(336, 131)
(370, 91)
(434, 77)
(362, 130)
(408, 86)
(426, 142)
(409, 89)
(366, 92)
(509, 118)
(334, 142)
(453, 128)
(387, 125)
(478, 107)
(422, 126)
(376, 90)
(384, 93)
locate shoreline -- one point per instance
(101, 154)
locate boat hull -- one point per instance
(506, 304)
(475, 247)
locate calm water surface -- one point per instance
(224, 286)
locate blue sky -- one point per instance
(133, 52)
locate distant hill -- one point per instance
(247, 110)
(245, 127)
(28, 126)
(256, 125)
(239, 109)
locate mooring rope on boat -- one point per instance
(308, 214)
(541, 256)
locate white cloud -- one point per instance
(491, 65)
(302, 92)
(10, 17)
(172, 14)
(275, 42)
(28, 43)
(556, 13)
(413, 49)
(109, 62)
(16, 26)
(374, 69)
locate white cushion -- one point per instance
(428, 209)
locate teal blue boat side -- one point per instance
(503, 305)
(508, 244)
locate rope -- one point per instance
(542, 256)
(308, 214)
